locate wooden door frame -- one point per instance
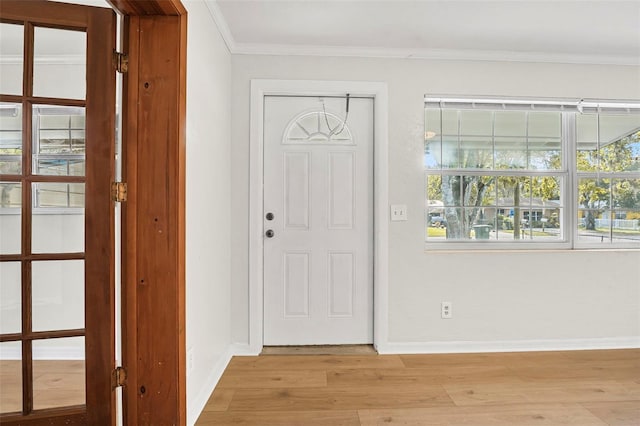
(378, 91)
(153, 217)
(153, 261)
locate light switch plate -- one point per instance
(398, 212)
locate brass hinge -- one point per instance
(121, 62)
(119, 191)
(118, 377)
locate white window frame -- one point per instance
(569, 173)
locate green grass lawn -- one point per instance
(527, 232)
(442, 232)
(616, 231)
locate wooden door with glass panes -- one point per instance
(57, 132)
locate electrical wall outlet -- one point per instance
(446, 310)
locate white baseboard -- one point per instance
(243, 349)
(200, 400)
(509, 345)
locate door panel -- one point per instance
(318, 264)
(57, 133)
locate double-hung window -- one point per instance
(540, 173)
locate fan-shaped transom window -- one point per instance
(318, 127)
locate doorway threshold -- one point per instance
(320, 350)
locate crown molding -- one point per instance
(433, 54)
(236, 48)
(221, 23)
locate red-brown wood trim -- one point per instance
(149, 7)
(41, 256)
(43, 101)
(10, 337)
(160, 269)
(131, 43)
(71, 416)
(26, 220)
(61, 15)
(153, 260)
(100, 219)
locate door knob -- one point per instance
(269, 233)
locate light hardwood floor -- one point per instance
(55, 384)
(543, 388)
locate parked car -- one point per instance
(438, 221)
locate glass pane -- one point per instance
(433, 153)
(594, 214)
(511, 153)
(479, 191)
(59, 69)
(451, 187)
(608, 143)
(455, 225)
(10, 377)
(10, 138)
(450, 152)
(544, 191)
(593, 198)
(58, 195)
(626, 194)
(434, 191)
(510, 190)
(587, 139)
(622, 154)
(545, 154)
(476, 152)
(10, 297)
(432, 139)
(625, 226)
(613, 127)
(432, 123)
(58, 372)
(483, 223)
(545, 125)
(11, 58)
(544, 140)
(496, 208)
(450, 122)
(476, 123)
(58, 295)
(587, 130)
(511, 124)
(10, 217)
(594, 226)
(58, 219)
(59, 141)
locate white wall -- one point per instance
(527, 300)
(208, 206)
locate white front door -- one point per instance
(318, 221)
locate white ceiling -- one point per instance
(574, 31)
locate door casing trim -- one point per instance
(378, 91)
